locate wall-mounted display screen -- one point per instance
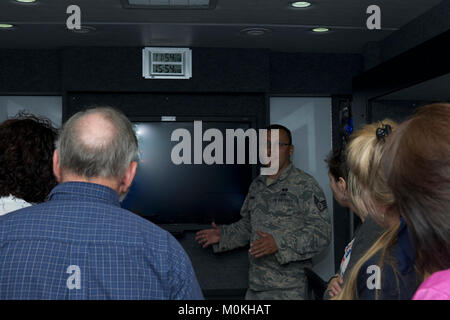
(166, 193)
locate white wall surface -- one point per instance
(45, 106)
(309, 120)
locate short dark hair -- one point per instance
(336, 164)
(280, 127)
(26, 157)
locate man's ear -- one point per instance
(128, 178)
(291, 149)
(56, 166)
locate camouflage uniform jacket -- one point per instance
(293, 210)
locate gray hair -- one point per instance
(106, 158)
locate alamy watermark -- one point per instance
(374, 280)
(213, 152)
(74, 20)
(74, 280)
(374, 20)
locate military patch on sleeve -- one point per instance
(321, 205)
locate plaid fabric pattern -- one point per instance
(81, 245)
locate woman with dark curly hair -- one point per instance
(26, 170)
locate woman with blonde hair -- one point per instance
(386, 270)
(365, 235)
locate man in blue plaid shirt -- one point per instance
(80, 244)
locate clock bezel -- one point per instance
(148, 63)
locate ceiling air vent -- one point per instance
(169, 4)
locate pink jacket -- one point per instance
(436, 287)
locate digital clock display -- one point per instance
(167, 68)
(167, 57)
(166, 63)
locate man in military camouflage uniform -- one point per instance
(285, 219)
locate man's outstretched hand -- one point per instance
(263, 246)
(208, 236)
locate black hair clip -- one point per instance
(383, 132)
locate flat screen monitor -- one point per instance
(166, 193)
